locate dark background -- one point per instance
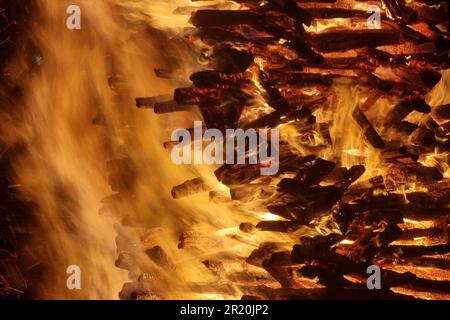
(18, 268)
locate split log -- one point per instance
(346, 40)
(405, 107)
(369, 132)
(214, 79)
(151, 101)
(316, 173)
(211, 18)
(369, 184)
(197, 96)
(426, 262)
(189, 188)
(230, 60)
(335, 12)
(417, 251)
(275, 99)
(278, 226)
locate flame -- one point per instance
(63, 170)
(349, 144)
(328, 24)
(269, 217)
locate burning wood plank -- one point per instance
(346, 40)
(369, 132)
(189, 188)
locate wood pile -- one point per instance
(290, 56)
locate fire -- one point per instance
(354, 184)
(63, 170)
(269, 216)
